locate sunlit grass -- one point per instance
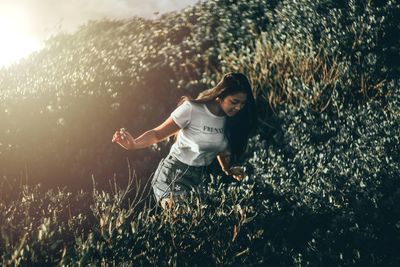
(321, 184)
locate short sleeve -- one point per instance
(182, 114)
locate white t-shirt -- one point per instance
(201, 136)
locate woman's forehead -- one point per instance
(239, 96)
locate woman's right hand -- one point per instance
(124, 139)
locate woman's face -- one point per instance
(231, 104)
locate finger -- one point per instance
(127, 135)
(236, 177)
(116, 136)
(121, 135)
(118, 139)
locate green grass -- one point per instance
(322, 182)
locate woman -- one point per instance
(215, 124)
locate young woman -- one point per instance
(215, 124)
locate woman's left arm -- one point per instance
(224, 161)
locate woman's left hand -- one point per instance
(237, 173)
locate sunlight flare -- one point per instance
(15, 43)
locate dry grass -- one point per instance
(283, 73)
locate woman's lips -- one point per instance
(232, 112)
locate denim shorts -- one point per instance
(175, 178)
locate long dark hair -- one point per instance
(239, 127)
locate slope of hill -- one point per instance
(323, 169)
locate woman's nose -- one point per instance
(238, 107)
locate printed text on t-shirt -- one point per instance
(209, 129)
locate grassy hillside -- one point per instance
(323, 169)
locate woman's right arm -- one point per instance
(155, 135)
